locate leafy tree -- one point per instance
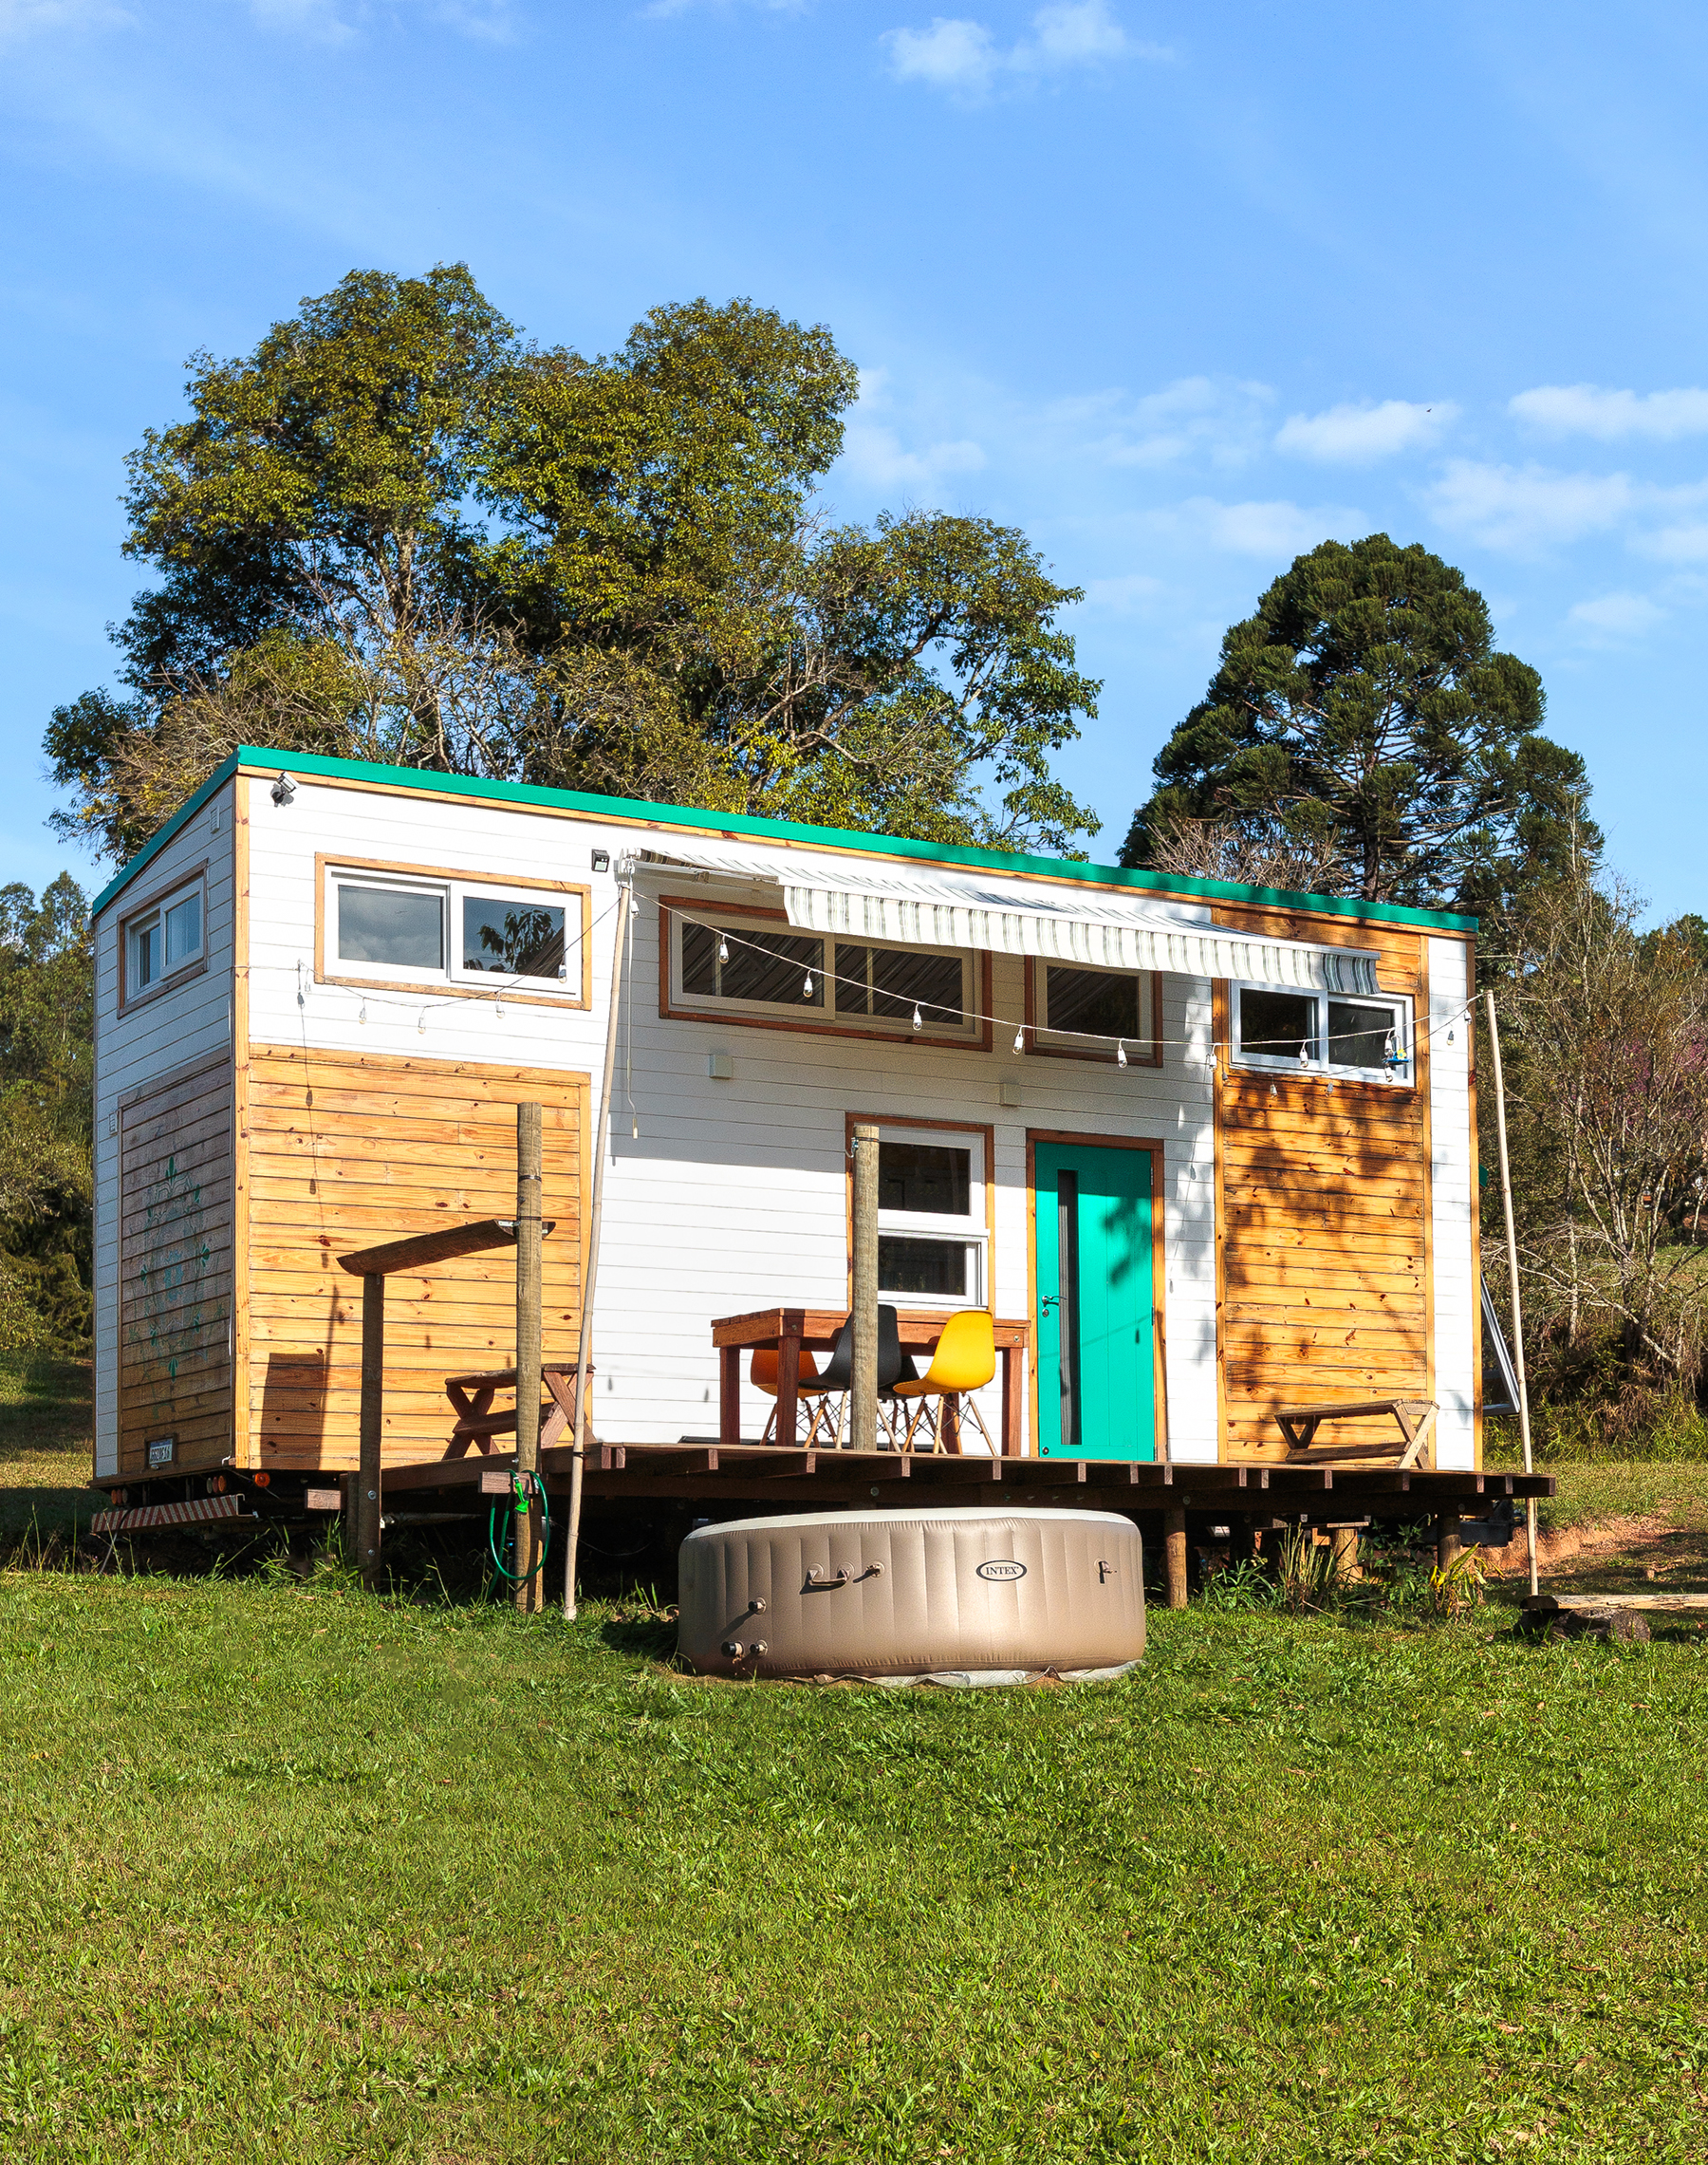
(396, 532)
(1363, 711)
(47, 1075)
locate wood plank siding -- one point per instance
(1323, 1214)
(174, 1269)
(347, 1150)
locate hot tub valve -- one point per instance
(756, 1606)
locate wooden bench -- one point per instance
(1415, 1418)
(476, 1422)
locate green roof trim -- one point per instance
(308, 764)
(181, 818)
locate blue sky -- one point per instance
(1179, 290)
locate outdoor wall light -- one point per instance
(602, 860)
(283, 789)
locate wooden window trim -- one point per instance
(1080, 1139)
(1318, 1073)
(128, 1001)
(977, 1041)
(335, 861)
(1035, 1045)
(986, 1129)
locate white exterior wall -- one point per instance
(733, 1195)
(1452, 1203)
(175, 1030)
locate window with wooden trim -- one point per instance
(723, 963)
(933, 1231)
(468, 932)
(1280, 1027)
(168, 937)
(1097, 1014)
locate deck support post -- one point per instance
(1174, 1532)
(1344, 1546)
(602, 1150)
(530, 1122)
(1449, 1543)
(373, 1411)
(864, 1406)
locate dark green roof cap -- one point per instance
(309, 764)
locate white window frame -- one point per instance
(1402, 1076)
(1142, 1048)
(152, 919)
(449, 894)
(825, 1016)
(974, 1230)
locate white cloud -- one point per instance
(962, 56)
(1527, 507)
(1610, 617)
(1686, 543)
(1135, 594)
(1355, 436)
(1201, 416)
(335, 22)
(1278, 531)
(21, 19)
(876, 457)
(1585, 409)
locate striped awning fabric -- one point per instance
(1059, 921)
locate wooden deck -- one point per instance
(759, 1477)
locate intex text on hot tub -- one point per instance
(970, 1597)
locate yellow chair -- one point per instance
(965, 1360)
(762, 1371)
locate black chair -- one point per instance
(836, 1378)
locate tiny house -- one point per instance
(1203, 1150)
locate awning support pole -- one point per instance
(1512, 1244)
(601, 1143)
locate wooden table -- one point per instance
(788, 1331)
(477, 1424)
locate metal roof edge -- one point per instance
(156, 843)
(250, 759)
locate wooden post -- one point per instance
(601, 1143)
(528, 1153)
(1511, 1242)
(373, 1411)
(1449, 1546)
(865, 1395)
(1174, 1537)
(1343, 1541)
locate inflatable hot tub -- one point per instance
(974, 1597)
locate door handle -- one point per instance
(1047, 1303)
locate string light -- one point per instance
(806, 988)
(421, 1023)
(723, 948)
(918, 1019)
(362, 1016)
(1121, 1058)
(1020, 1039)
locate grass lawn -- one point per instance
(286, 1871)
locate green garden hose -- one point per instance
(519, 1488)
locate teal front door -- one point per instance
(1096, 1370)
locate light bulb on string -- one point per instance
(421, 1023)
(1020, 1039)
(1121, 1058)
(633, 1128)
(806, 988)
(723, 948)
(362, 1016)
(919, 1018)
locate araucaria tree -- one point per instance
(1362, 724)
(398, 532)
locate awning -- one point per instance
(1060, 922)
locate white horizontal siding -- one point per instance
(166, 1033)
(732, 1196)
(1451, 1203)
